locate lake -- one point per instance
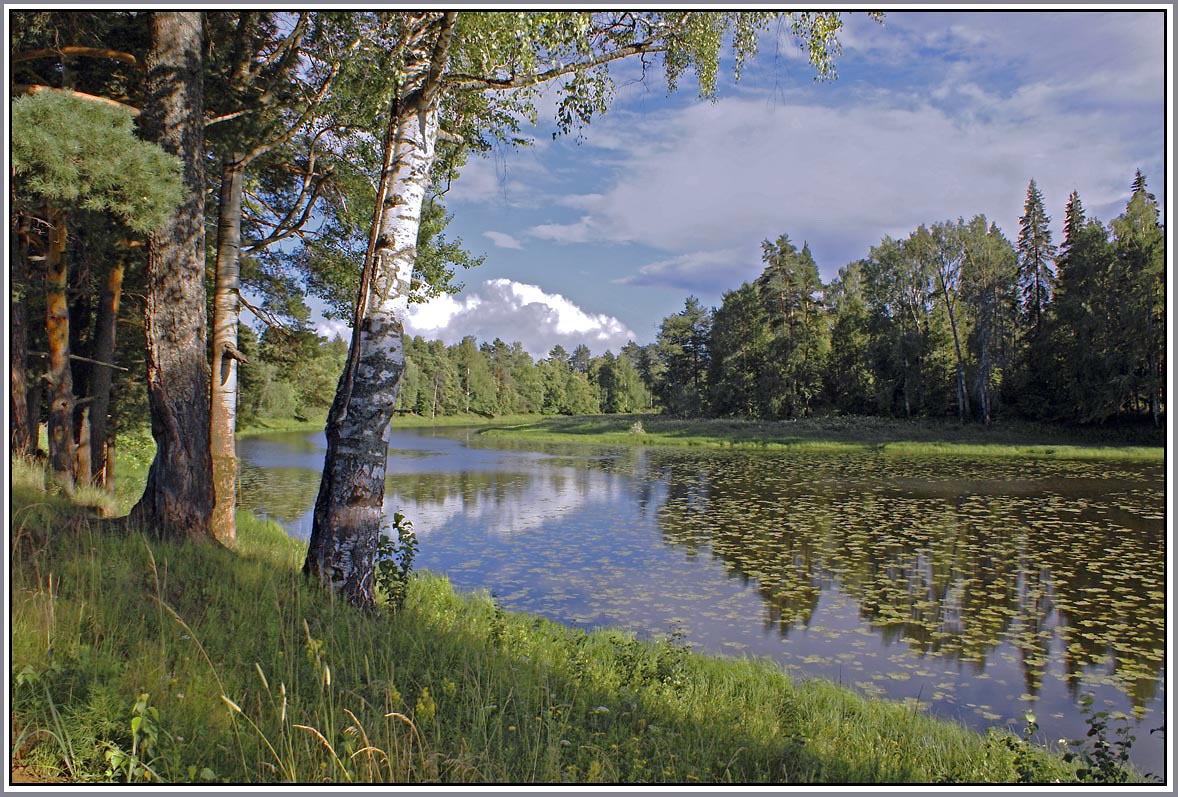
(978, 589)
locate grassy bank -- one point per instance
(135, 659)
(885, 435)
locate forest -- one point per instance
(953, 321)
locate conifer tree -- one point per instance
(1035, 257)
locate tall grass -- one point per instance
(135, 659)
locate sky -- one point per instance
(933, 116)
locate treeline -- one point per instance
(953, 319)
(293, 374)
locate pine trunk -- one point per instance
(20, 436)
(349, 509)
(223, 404)
(105, 331)
(178, 499)
(57, 329)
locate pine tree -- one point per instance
(1035, 256)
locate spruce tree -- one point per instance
(1035, 256)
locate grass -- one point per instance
(135, 659)
(901, 437)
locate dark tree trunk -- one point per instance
(57, 329)
(21, 437)
(223, 405)
(105, 331)
(81, 313)
(178, 499)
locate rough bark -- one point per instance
(102, 377)
(348, 510)
(178, 499)
(223, 405)
(57, 329)
(20, 435)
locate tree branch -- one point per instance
(24, 88)
(84, 52)
(460, 82)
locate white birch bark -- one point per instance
(348, 511)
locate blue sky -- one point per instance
(934, 115)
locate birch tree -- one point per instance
(472, 77)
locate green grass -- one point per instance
(257, 426)
(138, 659)
(920, 437)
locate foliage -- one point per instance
(394, 562)
(1100, 759)
(954, 317)
(82, 153)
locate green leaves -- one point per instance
(74, 152)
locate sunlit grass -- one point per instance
(901, 437)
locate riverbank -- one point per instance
(131, 660)
(895, 436)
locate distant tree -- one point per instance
(739, 347)
(620, 385)
(791, 295)
(1082, 383)
(849, 378)
(1140, 264)
(682, 346)
(1035, 257)
(989, 294)
(944, 247)
(475, 378)
(579, 359)
(527, 383)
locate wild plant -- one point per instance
(394, 562)
(1102, 759)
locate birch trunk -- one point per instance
(223, 406)
(348, 510)
(57, 328)
(178, 500)
(105, 332)
(962, 394)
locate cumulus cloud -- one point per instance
(516, 311)
(503, 240)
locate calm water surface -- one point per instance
(979, 589)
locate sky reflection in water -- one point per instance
(981, 590)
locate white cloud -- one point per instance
(713, 176)
(503, 240)
(581, 231)
(707, 272)
(515, 311)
